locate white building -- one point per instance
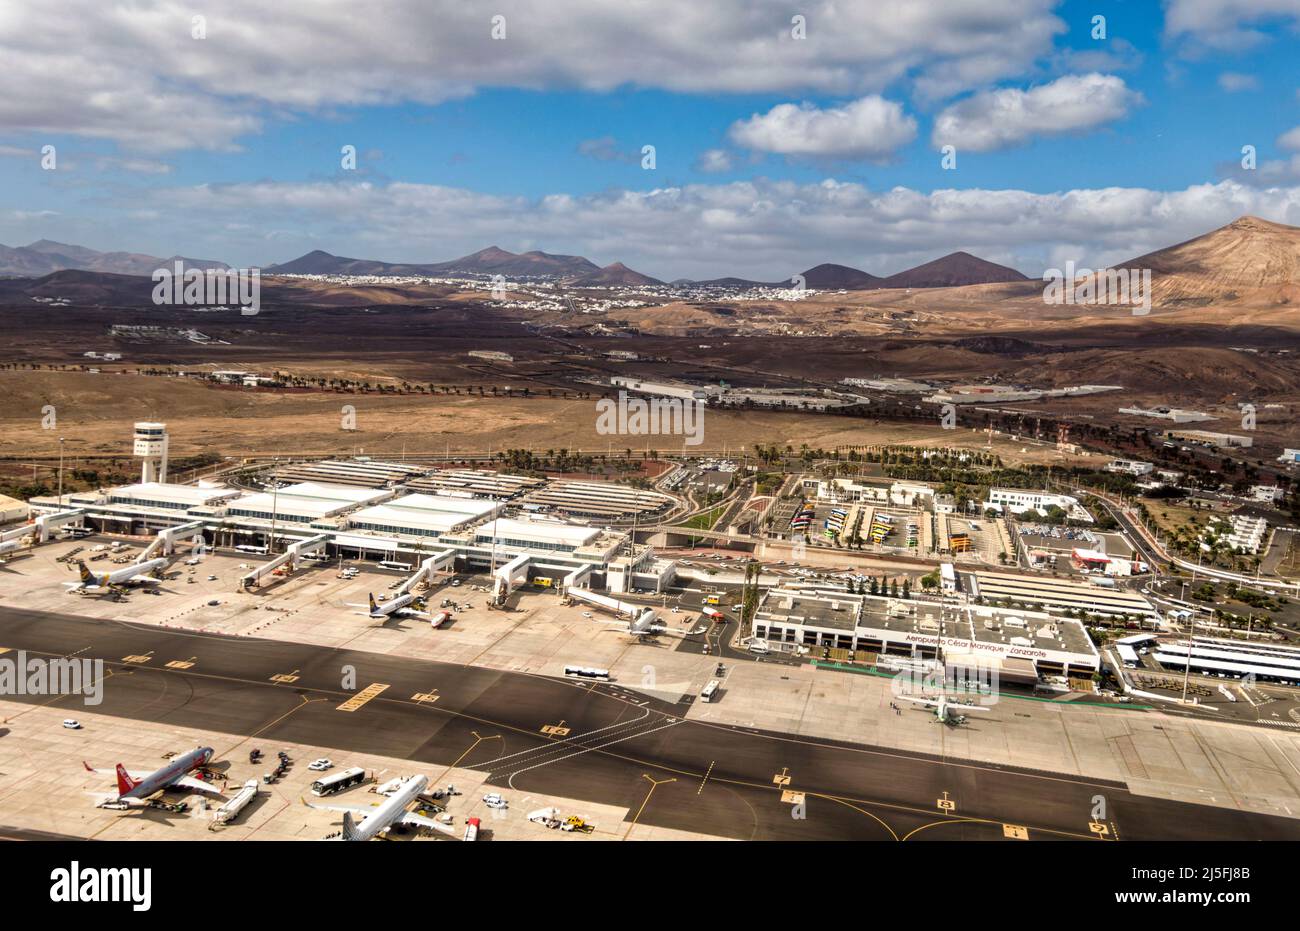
(1130, 467)
(1267, 493)
(1020, 500)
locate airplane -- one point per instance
(646, 624)
(398, 607)
(139, 785)
(943, 709)
(379, 819)
(148, 572)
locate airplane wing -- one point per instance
(144, 579)
(356, 810)
(928, 702)
(419, 821)
(953, 704)
(136, 774)
(194, 785)
(411, 612)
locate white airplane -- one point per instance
(138, 785)
(378, 819)
(645, 624)
(148, 572)
(398, 607)
(943, 709)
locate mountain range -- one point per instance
(45, 256)
(1246, 254)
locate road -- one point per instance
(620, 748)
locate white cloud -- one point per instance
(1234, 82)
(132, 72)
(870, 128)
(713, 161)
(1290, 140)
(1226, 24)
(1007, 117)
(759, 229)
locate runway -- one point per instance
(598, 742)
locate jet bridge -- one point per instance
(633, 612)
(48, 522)
(508, 576)
(427, 568)
(577, 577)
(289, 557)
(165, 543)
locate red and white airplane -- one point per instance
(138, 785)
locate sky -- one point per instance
(781, 133)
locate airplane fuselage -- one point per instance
(383, 816)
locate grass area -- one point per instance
(705, 519)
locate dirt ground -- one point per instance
(95, 413)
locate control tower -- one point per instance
(151, 446)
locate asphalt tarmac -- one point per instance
(600, 742)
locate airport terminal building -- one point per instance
(1025, 645)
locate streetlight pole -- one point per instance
(60, 473)
(1187, 660)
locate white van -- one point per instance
(759, 646)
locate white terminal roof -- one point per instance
(189, 495)
(426, 512)
(464, 507)
(538, 532)
(309, 499)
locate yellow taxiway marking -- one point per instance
(424, 696)
(285, 677)
(792, 798)
(4, 649)
(556, 730)
(1098, 828)
(359, 699)
(945, 803)
(1015, 831)
(646, 801)
(782, 778)
(181, 663)
(137, 658)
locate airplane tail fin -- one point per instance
(85, 573)
(124, 781)
(349, 826)
(373, 606)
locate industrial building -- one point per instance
(476, 483)
(1025, 646)
(599, 501)
(365, 473)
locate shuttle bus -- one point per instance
(394, 565)
(710, 691)
(586, 672)
(254, 550)
(343, 779)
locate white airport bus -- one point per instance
(255, 550)
(395, 565)
(586, 672)
(710, 691)
(343, 779)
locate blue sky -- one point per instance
(769, 151)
